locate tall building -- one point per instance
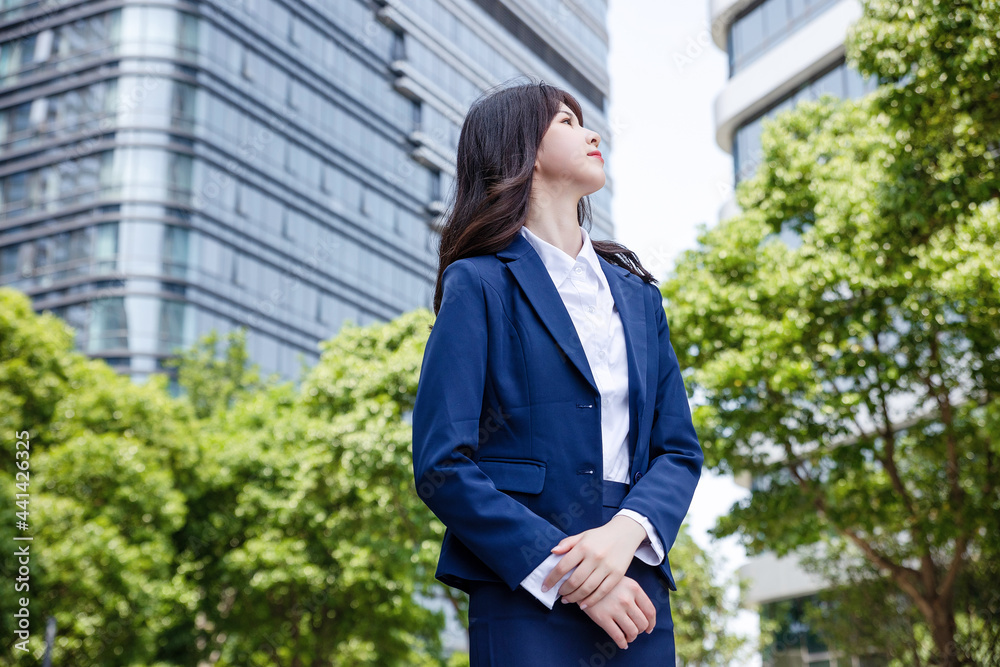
(169, 168)
(780, 52)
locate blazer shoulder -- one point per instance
(488, 267)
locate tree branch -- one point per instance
(941, 395)
(948, 585)
(928, 567)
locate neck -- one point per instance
(558, 227)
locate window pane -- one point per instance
(108, 326)
(753, 29)
(775, 17)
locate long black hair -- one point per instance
(495, 165)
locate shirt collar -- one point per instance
(558, 263)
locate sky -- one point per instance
(668, 174)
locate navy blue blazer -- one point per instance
(507, 445)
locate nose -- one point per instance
(596, 140)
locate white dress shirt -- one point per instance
(585, 293)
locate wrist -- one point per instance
(635, 531)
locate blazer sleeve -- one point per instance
(663, 493)
(508, 537)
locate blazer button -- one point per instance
(638, 476)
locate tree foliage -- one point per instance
(701, 610)
(854, 371)
(244, 523)
(103, 496)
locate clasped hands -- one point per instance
(601, 557)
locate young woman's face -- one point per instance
(563, 159)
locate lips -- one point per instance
(596, 154)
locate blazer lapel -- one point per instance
(626, 289)
(534, 279)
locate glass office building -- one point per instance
(174, 167)
(781, 52)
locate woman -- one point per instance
(551, 429)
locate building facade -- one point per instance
(781, 52)
(172, 167)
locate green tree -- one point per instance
(701, 611)
(212, 384)
(278, 528)
(855, 372)
(103, 498)
(306, 537)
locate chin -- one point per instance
(596, 186)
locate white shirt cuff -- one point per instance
(533, 582)
(650, 551)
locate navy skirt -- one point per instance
(514, 629)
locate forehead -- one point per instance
(565, 109)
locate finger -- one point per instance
(638, 617)
(612, 579)
(627, 626)
(588, 581)
(566, 544)
(590, 584)
(606, 587)
(646, 606)
(565, 564)
(616, 634)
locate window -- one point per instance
(416, 114)
(235, 275)
(80, 241)
(107, 241)
(108, 325)
(14, 191)
(171, 329)
(249, 65)
(241, 196)
(187, 32)
(435, 185)
(326, 180)
(766, 24)
(180, 167)
(398, 46)
(175, 250)
(840, 81)
(14, 121)
(8, 262)
(183, 105)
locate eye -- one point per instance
(568, 120)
